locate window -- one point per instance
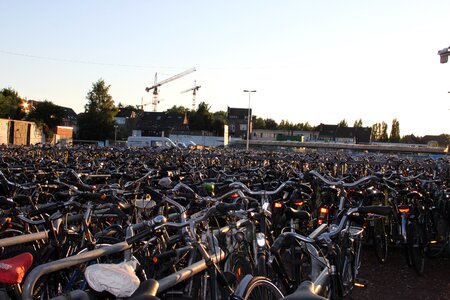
(242, 127)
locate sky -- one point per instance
(309, 61)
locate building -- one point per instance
(237, 119)
(284, 135)
(17, 132)
(124, 115)
(436, 140)
(327, 132)
(70, 118)
(338, 134)
(159, 124)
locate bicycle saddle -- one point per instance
(13, 270)
(304, 292)
(6, 203)
(146, 291)
(297, 214)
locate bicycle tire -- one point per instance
(241, 267)
(380, 241)
(415, 248)
(437, 234)
(259, 288)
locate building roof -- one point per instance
(126, 112)
(360, 134)
(69, 112)
(345, 132)
(239, 112)
(160, 121)
(442, 139)
(326, 130)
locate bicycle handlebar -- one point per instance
(221, 208)
(378, 210)
(342, 183)
(239, 184)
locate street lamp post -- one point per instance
(115, 135)
(248, 116)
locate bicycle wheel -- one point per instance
(380, 240)
(258, 288)
(437, 234)
(415, 247)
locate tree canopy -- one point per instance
(343, 123)
(11, 105)
(97, 122)
(395, 132)
(47, 114)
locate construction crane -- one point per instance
(194, 93)
(143, 104)
(157, 84)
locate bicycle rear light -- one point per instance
(404, 210)
(278, 205)
(357, 284)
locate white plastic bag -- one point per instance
(117, 279)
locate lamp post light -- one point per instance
(248, 116)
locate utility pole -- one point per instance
(248, 117)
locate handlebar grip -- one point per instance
(223, 208)
(115, 210)
(84, 187)
(166, 255)
(154, 194)
(48, 209)
(378, 210)
(140, 236)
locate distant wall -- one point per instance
(20, 132)
(4, 131)
(198, 139)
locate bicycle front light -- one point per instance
(260, 239)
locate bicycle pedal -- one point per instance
(361, 283)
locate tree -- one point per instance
(395, 132)
(358, 123)
(384, 134)
(285, 125)
(49, 115)
(201, 118)
(11, 105)
(304, 126)
(219, 119)
(97, 122)
(376, 132)
(259, 123)
(271, 124)
(343, 123)
(181, 110)
(410, 139)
